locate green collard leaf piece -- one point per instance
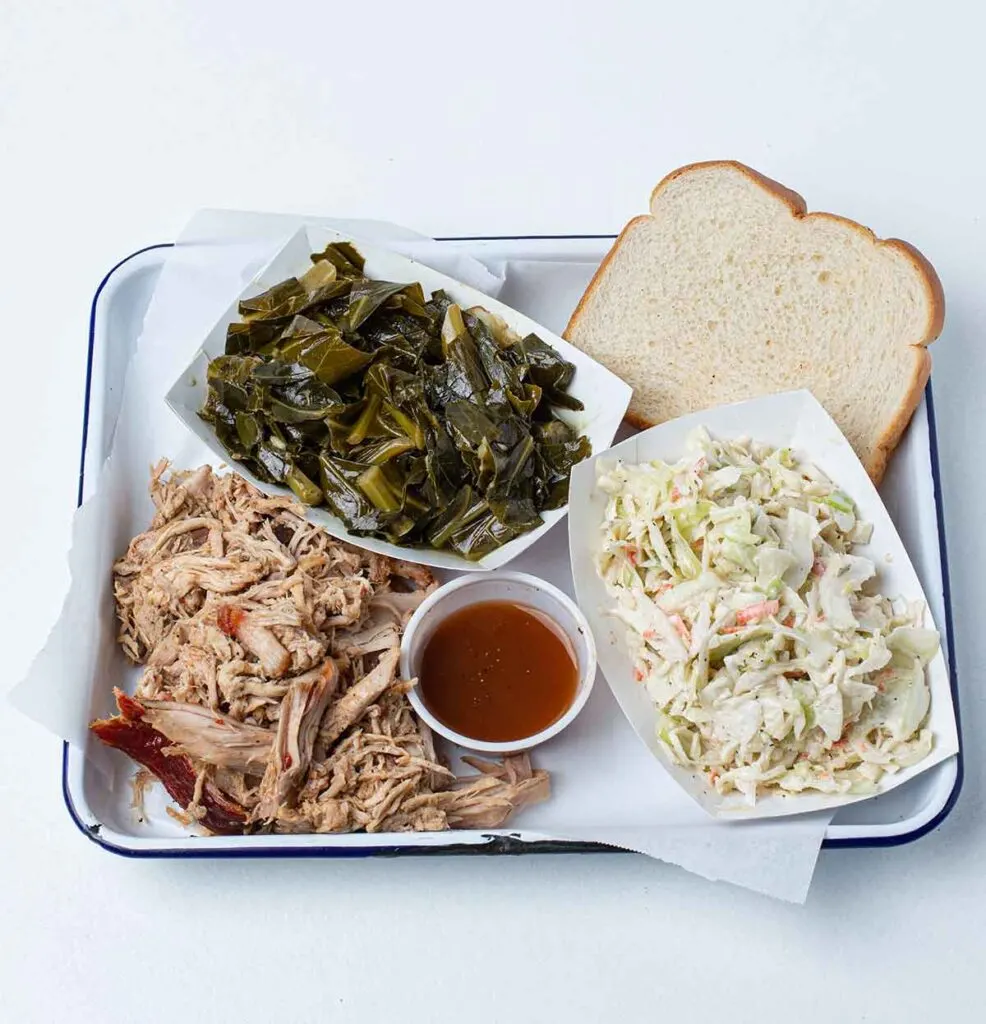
(283, 299)
(541, 364)
(366, 297)
(331, 359)
(251, 336)
(344, 256)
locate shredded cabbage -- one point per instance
(770, 665)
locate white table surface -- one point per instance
(117, 120)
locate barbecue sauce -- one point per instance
(498, 671)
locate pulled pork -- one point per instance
(271, 700)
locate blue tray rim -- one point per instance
(499, 844)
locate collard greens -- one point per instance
(407, 417)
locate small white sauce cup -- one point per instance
(518, 588)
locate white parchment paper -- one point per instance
(597, 763)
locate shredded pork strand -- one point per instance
(271, 653)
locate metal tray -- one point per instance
(118, 309)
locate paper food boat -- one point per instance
(796, 420)
(603, 394)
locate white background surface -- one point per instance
(117, 120)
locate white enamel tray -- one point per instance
(536, 285)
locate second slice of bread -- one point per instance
(729, 290)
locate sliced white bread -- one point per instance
(729, 290)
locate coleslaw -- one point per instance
(759, 634)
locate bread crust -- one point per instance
(798, 208)
(637, 421)
(601, 271)
(890, 438)
(795, 202)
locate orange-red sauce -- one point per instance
(498, 671)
